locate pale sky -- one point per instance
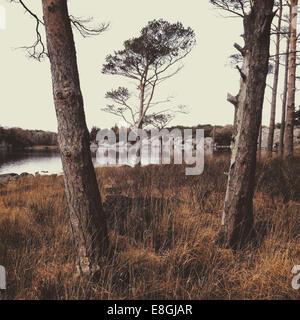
(202, 85)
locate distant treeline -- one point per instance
(20, 138)
(221, 134)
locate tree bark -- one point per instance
(259, 142)
(284, 97)
(87, 217)
(142, 87)
(275, 86)
(237, 219)
(289, 126)
(142, 99)
(214, 139)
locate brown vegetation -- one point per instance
(163, 227)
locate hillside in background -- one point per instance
(18, 138)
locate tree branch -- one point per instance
(38, 49)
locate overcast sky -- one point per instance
(202, 85)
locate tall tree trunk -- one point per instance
(275, 86)
(260, 141)
(214, 139)
(284, 97)
(84, 202)
(142, 100)
(237, 219)
(289, 126)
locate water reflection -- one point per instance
(44, 162)
(49, 162)
(30, 161)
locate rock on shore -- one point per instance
(8, 177)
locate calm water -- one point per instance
(49, 162)
(45, 162)
(30, 161)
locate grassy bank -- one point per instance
(163, 226)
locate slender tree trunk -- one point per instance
(84, 203)
(142, 98)
(275, 86)
(141, 119)
(259, 142)
(141, 111)
(289, 126)
(237, 220)
(284, 97)
(214, 139)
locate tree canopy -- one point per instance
(148, 59)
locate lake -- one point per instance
(42, 161)
(30, 161)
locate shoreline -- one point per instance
(42, 148)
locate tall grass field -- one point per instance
(163, 227)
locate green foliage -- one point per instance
(121, 94)
(158, 42)
(148, 59)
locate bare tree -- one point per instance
(237, 219)
(275, 84)
(149, 59)
(289, 125)
(284, 96)
(87, 217)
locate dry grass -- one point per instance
(163, 241)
